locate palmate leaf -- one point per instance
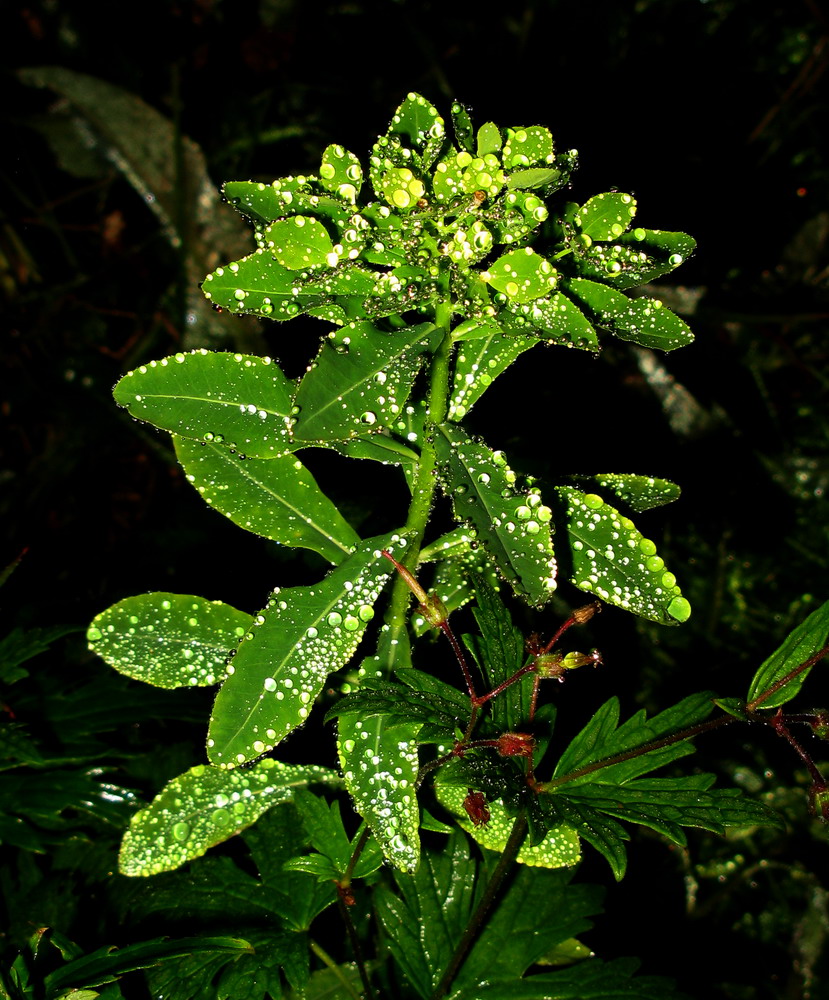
(611, 559)
(168, 640)
(592, 802)
(589, 980)
(300, 637)
(324, 825)
(108, 964)
(425, 919)
(277, 498)
(512, 525)
(236, 400)
(379, 762)
(559, 848)
(359, 382)
(800, 645)
(252, 976)
(438, 715)
(204, 807)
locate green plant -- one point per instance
(468, 256)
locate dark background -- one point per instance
(713, 115)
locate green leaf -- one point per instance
(21, 645)
(559, 848)
(204, 807)
(399, 704)
(635, 258)
(300, 637)
(359, 382)
(513, 525)
(168, 640)
(800, 645)
(539, 910)
(606, 216)
(249, 977)
(611, 559)
(590, 980)
(554, 318)
(479, 362)
(106, 965)
(462, 127)
(277, 498)
(379, 763)
(639, 493)
(426, 920)
(324, 825)
(341, 173)
(489, 139)
(259, 285)
(603, 737)
(239, 401)
(420, 126)
(299, 242)
(500, 652)
(522, 275)
(528, 147)
(644, 321)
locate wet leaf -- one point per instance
(644, 321)
(560, 847)
(553, 317)
(803, 642)
(301, 636)
(612, 560)
(379, 763)
(168, 640)
(299, 242)
(528, 147)
(479, 362)
(239, 401)
(513, 525)
(259, 285)
(606, 216)
(489, 139)
(359, 382)
(638, 493)
(324, 826)
(277, 498)
(204, 807)
(522, 275)
(341, 173)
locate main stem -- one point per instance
(426, 479)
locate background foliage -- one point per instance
(708, 113)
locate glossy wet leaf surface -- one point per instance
(277, 498)
(559, 848)
(379, 762)
(479, 362)
(614, 561)
(239, 401)
(169, 640)
(359, 382)
(206, 805)
(513, 525)
(301, 636)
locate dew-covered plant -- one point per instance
(460, 254)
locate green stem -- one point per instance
(476, 923)
(327, 960)
(426, 479)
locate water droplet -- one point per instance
(180, 831)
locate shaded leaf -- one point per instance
(802, 643)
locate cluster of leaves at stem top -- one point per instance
(457, 257)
